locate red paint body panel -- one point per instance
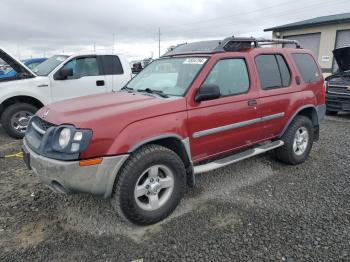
(121, 121)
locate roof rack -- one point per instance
(263, 41)
(226, 45)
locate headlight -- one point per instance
(64, 137)
(70, 140)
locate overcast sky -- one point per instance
(43, 27)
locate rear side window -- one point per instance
(273, 71)
(111, 65)
(231, 75)
(307, 67)
(284, 70)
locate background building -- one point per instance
(321, 35)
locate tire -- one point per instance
(331, 113)
(287, 153)
(23, 111)
(138, 209)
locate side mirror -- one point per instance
(64, 73)
(207, 92)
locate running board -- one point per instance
(237, 157)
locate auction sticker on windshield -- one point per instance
(195, 60)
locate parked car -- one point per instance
(338, 84)
(200, 107)
(58, 78)
(30, 63)
(138, 65)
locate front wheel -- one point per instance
(298, 140)
(150, 185)
(15, 119)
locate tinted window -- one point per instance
(85, 66)
(273, 71)
(231, 75)
(285, 73)
(268, 71)
(307, 67)
(111, 65)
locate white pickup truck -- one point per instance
(58, 78)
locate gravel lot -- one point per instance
(255, 210)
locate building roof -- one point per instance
(322, 20)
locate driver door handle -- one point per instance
(252, 102)
(100, 83)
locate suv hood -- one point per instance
(342, 56)
(116, 110)
(22, 70)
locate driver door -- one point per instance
(87, 79)
(229, 122)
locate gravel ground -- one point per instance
(256, 210)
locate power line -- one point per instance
(235, 14)
(263, 18)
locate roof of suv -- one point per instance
(227, 45)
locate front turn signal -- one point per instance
(91, 162)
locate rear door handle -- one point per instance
(100, 83)
(252, 102)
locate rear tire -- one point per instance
(298, 140)
(149, 186)
(15, 118)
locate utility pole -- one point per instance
(159, 41)
(114, 40)
(18, 51)
(94, 47)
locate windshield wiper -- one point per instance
(127, 88)
(151, 91)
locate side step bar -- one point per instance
(237, 157)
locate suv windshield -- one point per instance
(46, 67)
(171, 76)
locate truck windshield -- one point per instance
(171, 76)
(46, 67)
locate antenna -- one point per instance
(159, 41)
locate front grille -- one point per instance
(339, 89)
(35, 132)
(43, 124)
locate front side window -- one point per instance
(46, 67)
(83, 66)
(230, 75)
(307, 67)
(273, 71)
(171, 76)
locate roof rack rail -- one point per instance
(263, 41)
(228, 44)
(257, 42)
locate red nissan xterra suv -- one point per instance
(201, 106)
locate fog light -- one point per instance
(75, 147)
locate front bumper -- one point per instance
(70, 177)
(338, 102)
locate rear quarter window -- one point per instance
(307, 67)
(111, 65)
